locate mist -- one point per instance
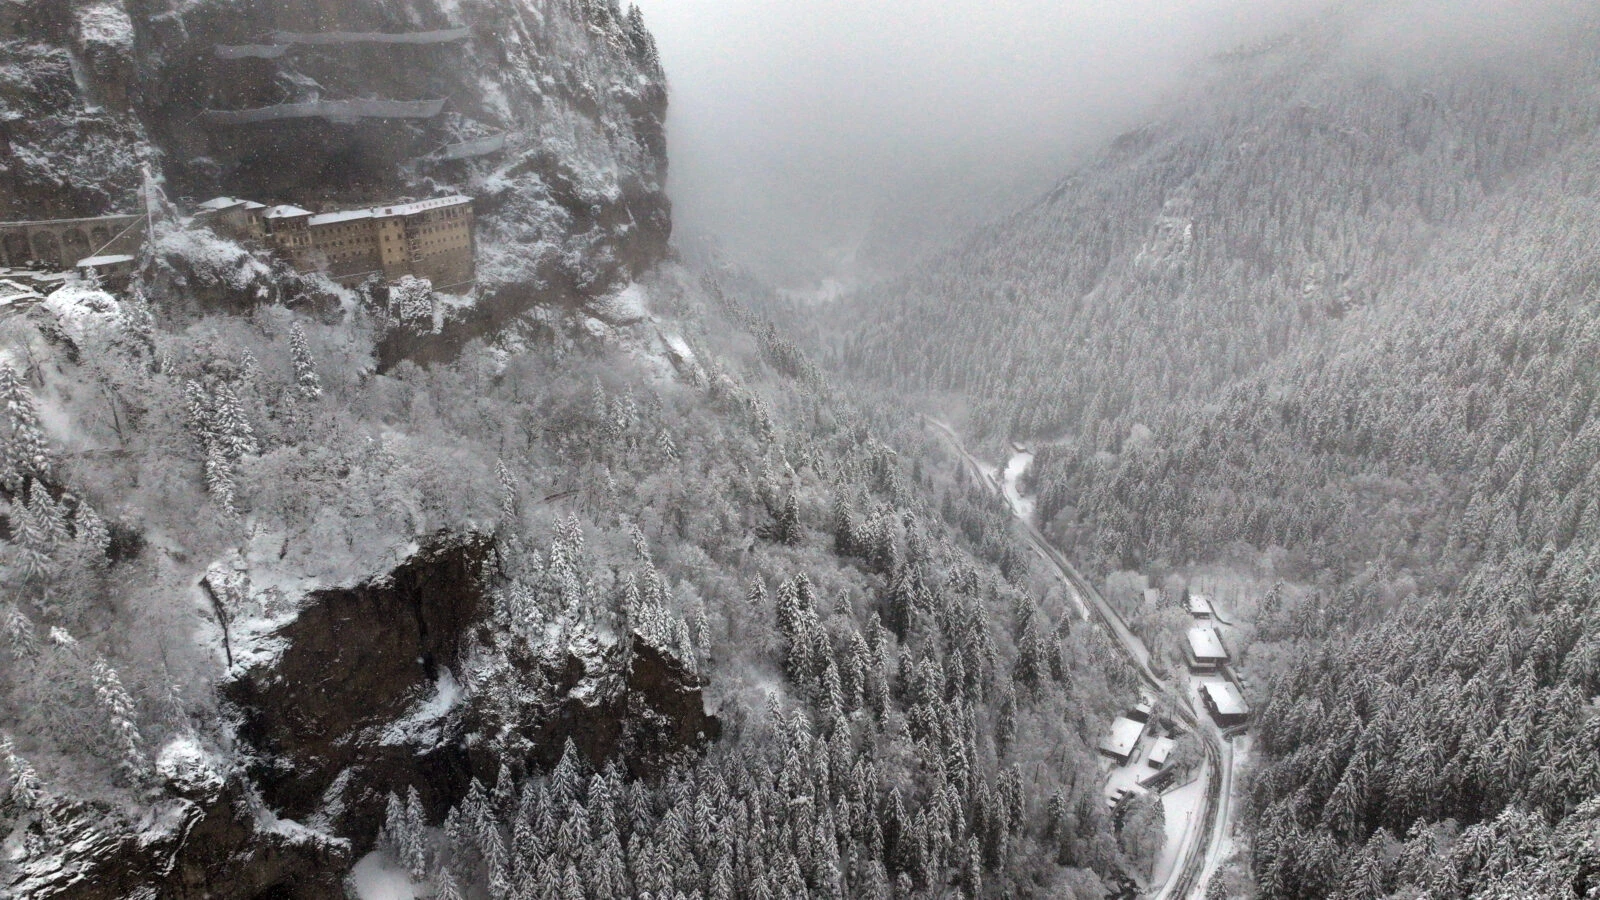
(799, 131)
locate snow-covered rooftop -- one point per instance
(336, 217)
(219, 203)
(397, 209)
(1226, 698)
(407, 209)
(1124, 736)
(91, 262)
(287, 211)
(1160, 749)
(1200, 605)
(1206, 644)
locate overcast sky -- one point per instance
(792, 118)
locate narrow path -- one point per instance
(1218, 773)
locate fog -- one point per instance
(797, 125)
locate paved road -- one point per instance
(1218, 773)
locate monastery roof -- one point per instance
(1160, 749)
(287, 211)
(408, 209)
(384, 212)
(344, 216)
(1200, 605)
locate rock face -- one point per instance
(550, 114)
(381, 688)
(404, 681)
(216, 844)
(353, 661)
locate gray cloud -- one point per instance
(793, 122)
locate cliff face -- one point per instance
(548, 112)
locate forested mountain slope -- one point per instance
(1298, 182)
(619, 597)
(1342, 318)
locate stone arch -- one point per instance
(46, 247)
(16, 248)
(74, 246)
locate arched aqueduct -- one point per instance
(60, 243)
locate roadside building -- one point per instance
(111, 270)
(1160, 752)
(1205, 651)
(1225, 703)
(1123, 738)
(1200, 607)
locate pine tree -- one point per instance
(972, 870)
(446, 887)
(844, 529)
(229, 424)
(119, 709)
(23, 453)
(508, 494)
(31, 541)
(307, 384)
(392, 836)
(414, 851)
(220, 479)
(20, 634)
(91, 532)
(1005, 729)
(23, 790)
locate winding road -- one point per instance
(1186, 877)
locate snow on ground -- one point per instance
(377, 877)
(627, 306)
(1181, 804)
(1225, 846)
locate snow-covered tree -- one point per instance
(307, 383)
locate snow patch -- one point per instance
(416, 727)
(105, 24)
(189, 767)
(625, 307)
(211, 257)
(84, 311)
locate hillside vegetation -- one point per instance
(1333, 322)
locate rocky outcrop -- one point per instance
(206, 839)
(354, 661)
(628, 702)
(406, 682)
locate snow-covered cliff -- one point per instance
(549, 114)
